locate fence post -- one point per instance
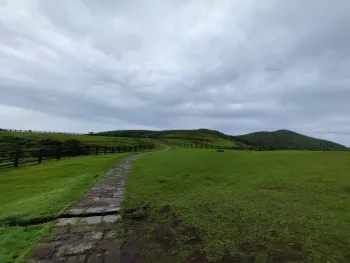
(17, 156)
(76, 150)
(105, 150)
(40, 157)
(87, 150)
(96, 150)
(118, 149)
(59, 152)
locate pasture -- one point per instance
(11, 141)
(239, 206)
(101, 140)
(36, 194)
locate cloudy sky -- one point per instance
(235, 66)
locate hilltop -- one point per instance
(288, 140)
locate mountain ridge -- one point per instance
(288, 140)
(266, 140)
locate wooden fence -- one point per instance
(16, 158)
(209, 146)
(44, 132)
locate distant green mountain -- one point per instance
(277, 140)
(288, 140)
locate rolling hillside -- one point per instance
(10, 141)
(277, 140)
(288, 140)
(199, 136)
(199, 133)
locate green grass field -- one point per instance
(285, 206)
(16, 242)
(200, 136)
(10, 141)
(40, 192)
(212, 142)
(102, 140)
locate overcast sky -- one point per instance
(234, 66)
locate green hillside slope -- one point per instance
(288, 140)
(277, 140)
(10, 141)
(200, 136)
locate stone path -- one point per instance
(87, 232)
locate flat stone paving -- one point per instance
(87, 232)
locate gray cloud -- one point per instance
(236, 66)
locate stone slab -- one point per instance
(74, 211)
(93, 235)
(111, 218)
(74, 249)
(66, 221)
(93, 210)
(91, 220)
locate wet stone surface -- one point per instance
(88, 231)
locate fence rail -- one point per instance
(45, 132)
(15, 159)
(209, 146)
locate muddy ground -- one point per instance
(168, 241)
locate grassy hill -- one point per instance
(10, 141)
(278, 140)
(199, 133)
(199, 136)
(288, 140)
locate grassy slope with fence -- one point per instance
(25, 157)
(33, 140)
(19, 148)
(194, 141)
(248, 206)
(203, 136)
(277, 140)
(39, 193)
